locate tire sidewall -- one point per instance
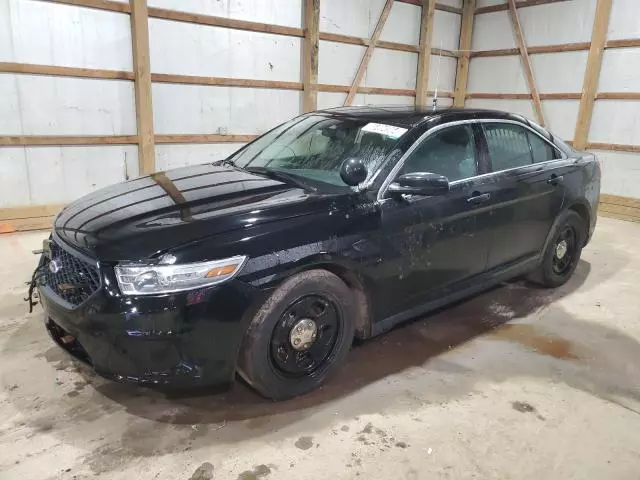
(255, 362)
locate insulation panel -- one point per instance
(520, 107)
(54, 34)
(561, 117)
(334, 99)
(496, 75)
(559, 72)
(620, 71)
(624, 21)
(442, 73)
(555, 23)
(403, 24)
(52, 175)
(446, 30)
(174, 156)
(620, 173)
(615, 121)
(224, 110)
(391, 69)
(492, 31)
(40, 105)
(354, 17)
(338, 62)
(189, 49)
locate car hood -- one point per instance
(141, 218)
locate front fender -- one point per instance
(349, 252)
(348, 264)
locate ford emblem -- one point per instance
(54, 265)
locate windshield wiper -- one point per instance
(270, 173)
(231, 163)
(280, 175)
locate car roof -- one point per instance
(410, 116)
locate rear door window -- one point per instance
(542, 151)
(508, 145)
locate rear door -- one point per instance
(526, 188)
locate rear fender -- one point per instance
(575, 206)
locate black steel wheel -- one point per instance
(562, 252)
(305, 336)
(300, 336)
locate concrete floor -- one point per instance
(515, 383)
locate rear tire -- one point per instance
(299, 337)
(562, 254)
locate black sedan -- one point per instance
(336, 225)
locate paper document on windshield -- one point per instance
(387, 130)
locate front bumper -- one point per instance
(186, 339)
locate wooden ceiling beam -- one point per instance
(505, 6)
(526, 62)
(310, 46)
(65, 140)
(142, 85)
(424, 55)
(108, 5)
(462, 71)
(232, 23)
(592, 73)
(559, 48)
(57, 71)
(439, 6)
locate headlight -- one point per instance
(137, 279)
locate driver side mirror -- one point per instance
(353, 171)
(419, 183)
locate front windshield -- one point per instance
(315, 146)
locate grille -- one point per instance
(74, 281)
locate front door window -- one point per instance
(449, 152)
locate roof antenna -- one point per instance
(435, 96)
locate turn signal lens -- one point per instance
(153, 279)
(225, 270)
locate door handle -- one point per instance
(555, 179)
(478, 198)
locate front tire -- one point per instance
(299, 337)
(562, 254)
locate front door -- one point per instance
(526, 188)
(430, 243)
